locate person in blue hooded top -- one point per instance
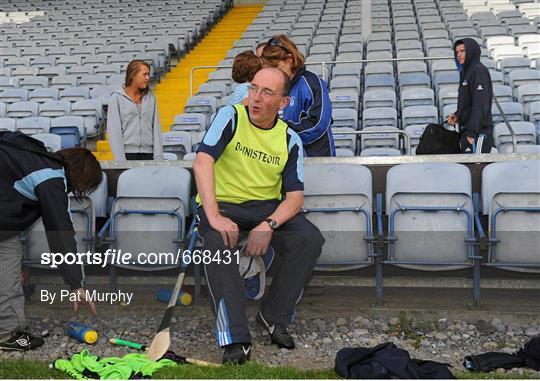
(475, 96)
(309, 112)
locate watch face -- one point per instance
(272, 223)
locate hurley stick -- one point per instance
(162, 340)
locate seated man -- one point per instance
(247, 157)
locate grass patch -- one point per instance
(463, 374)
(27, 369)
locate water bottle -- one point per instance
(164, 295)
(81, 332)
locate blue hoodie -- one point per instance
(309, 113)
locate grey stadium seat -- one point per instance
(22, 109)
(33, 125)
(525, 134)
(145, 189)
(379, 116)
(53, 109)
(379, 98)
(342, 212)
(51, 141)
(512, 110)
(431, 219)
(511, 200)
(44, 95)
(419, 115)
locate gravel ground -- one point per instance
(318, 335)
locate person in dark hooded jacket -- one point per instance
(475, 96)
(35, 183)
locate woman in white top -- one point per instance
(132, 119)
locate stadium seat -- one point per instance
(379, 116)
(342, 211)
(380, 151)
(69, 128)
(503, 93)
(525, 134)
(189, 122)
(33, 125)
(11, 95)
(344, 99)
(91, 110)
(51, 141)
(63, 81)
(153, 200)
(345, 117)
(177, 142)
(93, 80)
(431, 219)
(417, 97)
(22, 109)
(7, 124)
(511, 200)
(9, 83)
(419, 115)
(73, 94)
(379, 98)
(378, 137)
(32, 83)
(43, 95)
(201, 104)
(512, 110)
(53, 109)
(82, 217)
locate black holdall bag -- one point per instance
(438, 140)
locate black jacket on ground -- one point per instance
(386, 361)
(475, 92)
(528, 356)
(32, 185)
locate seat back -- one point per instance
(155, 201)
(429, 236)
(82, 216)
(511, 199)
(347, 186)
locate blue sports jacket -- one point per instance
(309, 113)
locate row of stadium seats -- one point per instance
(339, 200)
(386, 95)
(77, 53)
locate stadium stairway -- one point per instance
(172, 92)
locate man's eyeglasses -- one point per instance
(266, 93)
(276, 42)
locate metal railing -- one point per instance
(324, 64)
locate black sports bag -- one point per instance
(438, 140)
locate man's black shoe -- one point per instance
(278, 332)
(21, 341)
(237, 353)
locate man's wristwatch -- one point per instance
(273, 223)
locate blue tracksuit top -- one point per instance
(309, 113)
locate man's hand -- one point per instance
(259, 239)
(452, 119)
(81, 296)
(227, 228)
